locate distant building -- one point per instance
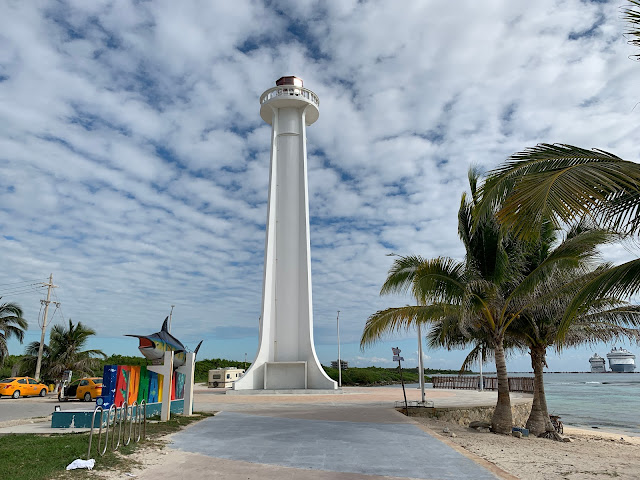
(597, 364)
(343, 364)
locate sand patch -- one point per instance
(589, 455)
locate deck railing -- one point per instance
(472, 382)
(290, 91)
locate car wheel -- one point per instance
(87, 397)
(43, 392)
(215, 384)
(16, 394)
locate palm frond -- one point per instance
(631, 14)
(559, 182)
(398, 319)
(619, 281)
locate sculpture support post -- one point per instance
(286, 357)
(189, 370)
(166, 370)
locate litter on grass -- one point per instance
(79, 463)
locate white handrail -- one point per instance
(290, 91)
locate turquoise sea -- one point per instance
(606, 401)
(595, 400)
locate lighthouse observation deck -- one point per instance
(289, 92)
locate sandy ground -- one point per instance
(589, 455)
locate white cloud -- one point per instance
(135, 164)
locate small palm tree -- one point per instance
(65, 351)
(11, 325)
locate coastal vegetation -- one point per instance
(11, 325)
(372, 376)
(65, 351)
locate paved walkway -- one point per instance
(400, 449)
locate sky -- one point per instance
(134, 163)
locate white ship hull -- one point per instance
(621, 361)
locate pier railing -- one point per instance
(472, 382)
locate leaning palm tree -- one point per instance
(11, 325)
(485, 293)
(565, 184)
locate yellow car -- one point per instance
(16, 386)
(86, 389)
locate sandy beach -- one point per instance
(589, 454)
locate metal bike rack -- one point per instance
(93, 421)
(115, 418)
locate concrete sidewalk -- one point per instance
(400, 449)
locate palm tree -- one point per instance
(632, 15)
(485, 293)
(539, 327)
(564, 184)
(11, 325)
(65, 351)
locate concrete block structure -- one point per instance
(286, 358)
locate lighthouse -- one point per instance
(286, 358)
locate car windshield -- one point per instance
(97, 381)
(7, 380)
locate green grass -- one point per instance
(36, 457)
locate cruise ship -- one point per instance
(597, 364)
(621, 360)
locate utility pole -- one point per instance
(46, 303)
(339, 361)
(170, 315)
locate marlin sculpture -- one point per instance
(153, 346)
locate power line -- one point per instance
(23, 281)
(58, 306)
(23, 288)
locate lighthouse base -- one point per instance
(296, 391)
(285, 375)
(290, 375)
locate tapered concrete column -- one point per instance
(286, 357)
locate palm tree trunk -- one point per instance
(502, 420)
(539, 422)
(539, 417)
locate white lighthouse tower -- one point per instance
(286, 358)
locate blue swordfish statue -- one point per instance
(153, 346)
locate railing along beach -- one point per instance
(472, 382)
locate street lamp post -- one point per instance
(421, 363)
(339, 361)
(170, 315)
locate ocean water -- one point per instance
(608, 401)
(605, 401)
